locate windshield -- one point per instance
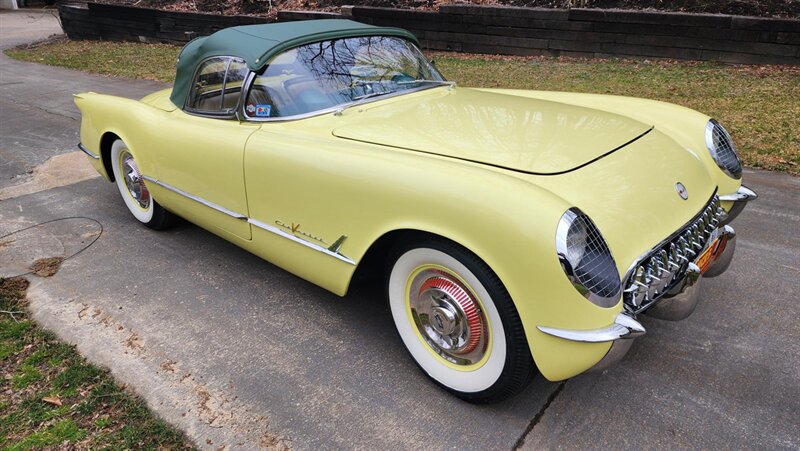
(327, 74)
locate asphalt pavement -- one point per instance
(239, 353)
(39, 119)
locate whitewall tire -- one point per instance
(135, 194)
(457, 321)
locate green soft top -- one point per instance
(258, 44)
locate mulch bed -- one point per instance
(764, 8)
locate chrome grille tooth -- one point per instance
(673, 258)
(684, 247)
(697, 237)
(639, 293)
(651, 280)
(661, 262)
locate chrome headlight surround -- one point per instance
(587, 260)
(722, 149)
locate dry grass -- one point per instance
(119, 59)
(757, 104)
(51, 398)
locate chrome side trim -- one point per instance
(327, 251)
(337, 244)
(333, 250)
(624, 327)
(88, 152)
(197, 199)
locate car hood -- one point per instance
(522, 134)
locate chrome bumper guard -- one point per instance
(621, 334)
(677, 303)
(624, 327)
(740, 198)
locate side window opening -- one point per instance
(217, 86)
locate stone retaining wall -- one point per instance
(494, 29)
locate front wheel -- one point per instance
(458, 322)
(135, 194)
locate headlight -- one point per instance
(586, 259)
(722, 149)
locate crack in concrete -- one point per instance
(52, 112)
(538, 417)
(21, 103)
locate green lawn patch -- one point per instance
(50, 397)
(757, 104)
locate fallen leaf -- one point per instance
(52, 400)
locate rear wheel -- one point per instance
(458, 322)
(135, 194)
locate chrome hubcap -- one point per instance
(134, 181)
(448, 317)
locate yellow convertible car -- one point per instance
(517, 231)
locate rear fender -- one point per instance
(103, 115)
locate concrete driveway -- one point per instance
(241, 354)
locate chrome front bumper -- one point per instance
(676, 304)
(680, 301)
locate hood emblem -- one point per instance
(682, 191)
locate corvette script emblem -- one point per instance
(682, 191)
(295, 228)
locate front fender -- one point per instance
(512, 227)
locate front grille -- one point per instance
(666, 264)
(723, 147)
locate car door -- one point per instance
(292, 195)
(201, 151)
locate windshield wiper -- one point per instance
(371, 94)
(438, 82)
(359, 100)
